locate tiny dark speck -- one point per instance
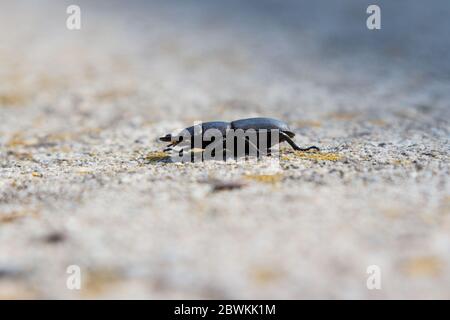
(55, 237)
(222, 186)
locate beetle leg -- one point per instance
(286, 138)
(251, 145)
(169, 147)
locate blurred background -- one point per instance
(80, 110)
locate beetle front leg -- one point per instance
(286, 138)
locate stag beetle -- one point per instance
(269, 125)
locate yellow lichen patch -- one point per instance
(308, 123)
(265, 178)
(156, 156)
(84, 170)
(423, 266)
(12, 99)
(100, 281)
(400, 162)
(324, 156)
(18, 140)
(15, 215)
(264, 275)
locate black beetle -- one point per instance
(256, 124)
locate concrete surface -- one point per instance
(80, 183)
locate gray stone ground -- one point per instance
(81, 111)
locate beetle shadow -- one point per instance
(199, 156)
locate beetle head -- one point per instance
(166, 138)
(175, 138)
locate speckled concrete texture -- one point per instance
(81, 183)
